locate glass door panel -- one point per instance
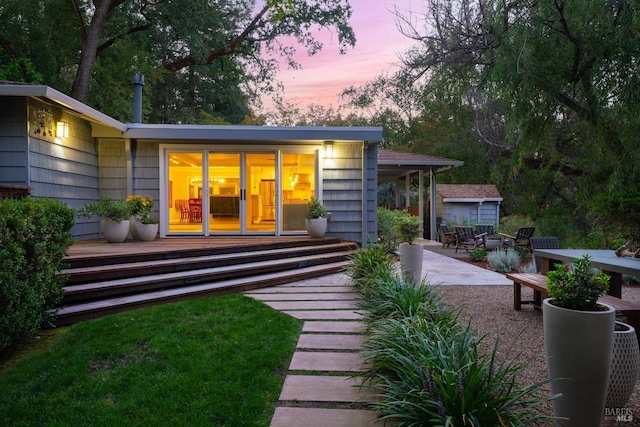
(298, 187)
(186, 192)
(261, 193)
(224, 192)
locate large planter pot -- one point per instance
(316, 227)
(411, 262)
(146, 232)
(578, 346)
(113, 231)
(133, 228)
(624, 367)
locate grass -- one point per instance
(214, 361)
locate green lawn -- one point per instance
(210, 362)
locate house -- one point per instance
(245, 180)
(468, 204)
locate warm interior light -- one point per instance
(62, 130)
(328, 150)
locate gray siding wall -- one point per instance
(13, 141)
(146, 170)
(488, 213)
(371, 173)
(342, 191)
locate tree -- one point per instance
(556, 83)
(88, 48)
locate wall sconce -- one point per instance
(328, 149)
(62, 130)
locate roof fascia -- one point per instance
(63, 100)
(253, 133)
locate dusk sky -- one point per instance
(378, 44)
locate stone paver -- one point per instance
(310, 305)
(325, 361)
(346, 327)
(329, 342)
(324, 314)
(320, 417)
(283, 289)
(317, 388)
(330, 296)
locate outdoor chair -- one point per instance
(448, 236)
(522, 238)
(542, 243)
(485, 229)
(467, 239)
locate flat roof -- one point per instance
(394, 164)
(252, 133)
(73, 105)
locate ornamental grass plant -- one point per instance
(427, 368)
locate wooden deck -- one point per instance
(99, 247)
(105, 278)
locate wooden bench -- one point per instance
(538, 282)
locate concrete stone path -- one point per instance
(319, 390)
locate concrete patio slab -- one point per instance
(316, 388)
(329, 342)
(346, 327)
(325, 361)
(443, 270)
(320, 417)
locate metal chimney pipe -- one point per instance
(138, 83)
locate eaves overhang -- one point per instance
(46, 93)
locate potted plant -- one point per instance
(144, 225)
(114, 214)
(316, 220)
(409, 228)
(578, 335)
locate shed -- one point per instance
(468, 204)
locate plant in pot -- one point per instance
(578, 335)
(114, 214)
(316, 220)
(144, 225)
(409, 229)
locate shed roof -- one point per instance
(469, 192)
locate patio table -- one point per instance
(604, 259)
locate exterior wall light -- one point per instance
(62, 130)
(328, 149)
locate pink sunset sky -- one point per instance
(378, 46)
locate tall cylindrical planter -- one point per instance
(624, 366)
(411, 262)
(578, 346)
(113, 231)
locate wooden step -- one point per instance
(179, 249)
(94, 273)
(130, 285)
(91, 310)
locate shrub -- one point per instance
(34, 237)
(477, 254)
(388, 235)
(504, 260)
(577, 287)
(510, 224)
